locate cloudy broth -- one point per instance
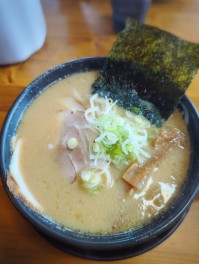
(112, 209)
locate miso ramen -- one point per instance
(92, 166)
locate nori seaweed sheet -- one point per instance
(148, 71)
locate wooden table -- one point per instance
(79, 29)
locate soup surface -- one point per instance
(42, 168)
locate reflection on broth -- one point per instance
(75, 149)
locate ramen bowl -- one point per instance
(93, 246)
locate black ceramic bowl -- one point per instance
(101, 247)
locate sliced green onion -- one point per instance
(121, 139)
(96, 147)
(72, 143)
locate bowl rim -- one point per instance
(132, 236)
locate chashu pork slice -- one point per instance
(72, 161)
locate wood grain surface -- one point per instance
(76, 29)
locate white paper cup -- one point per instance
(22, 30)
